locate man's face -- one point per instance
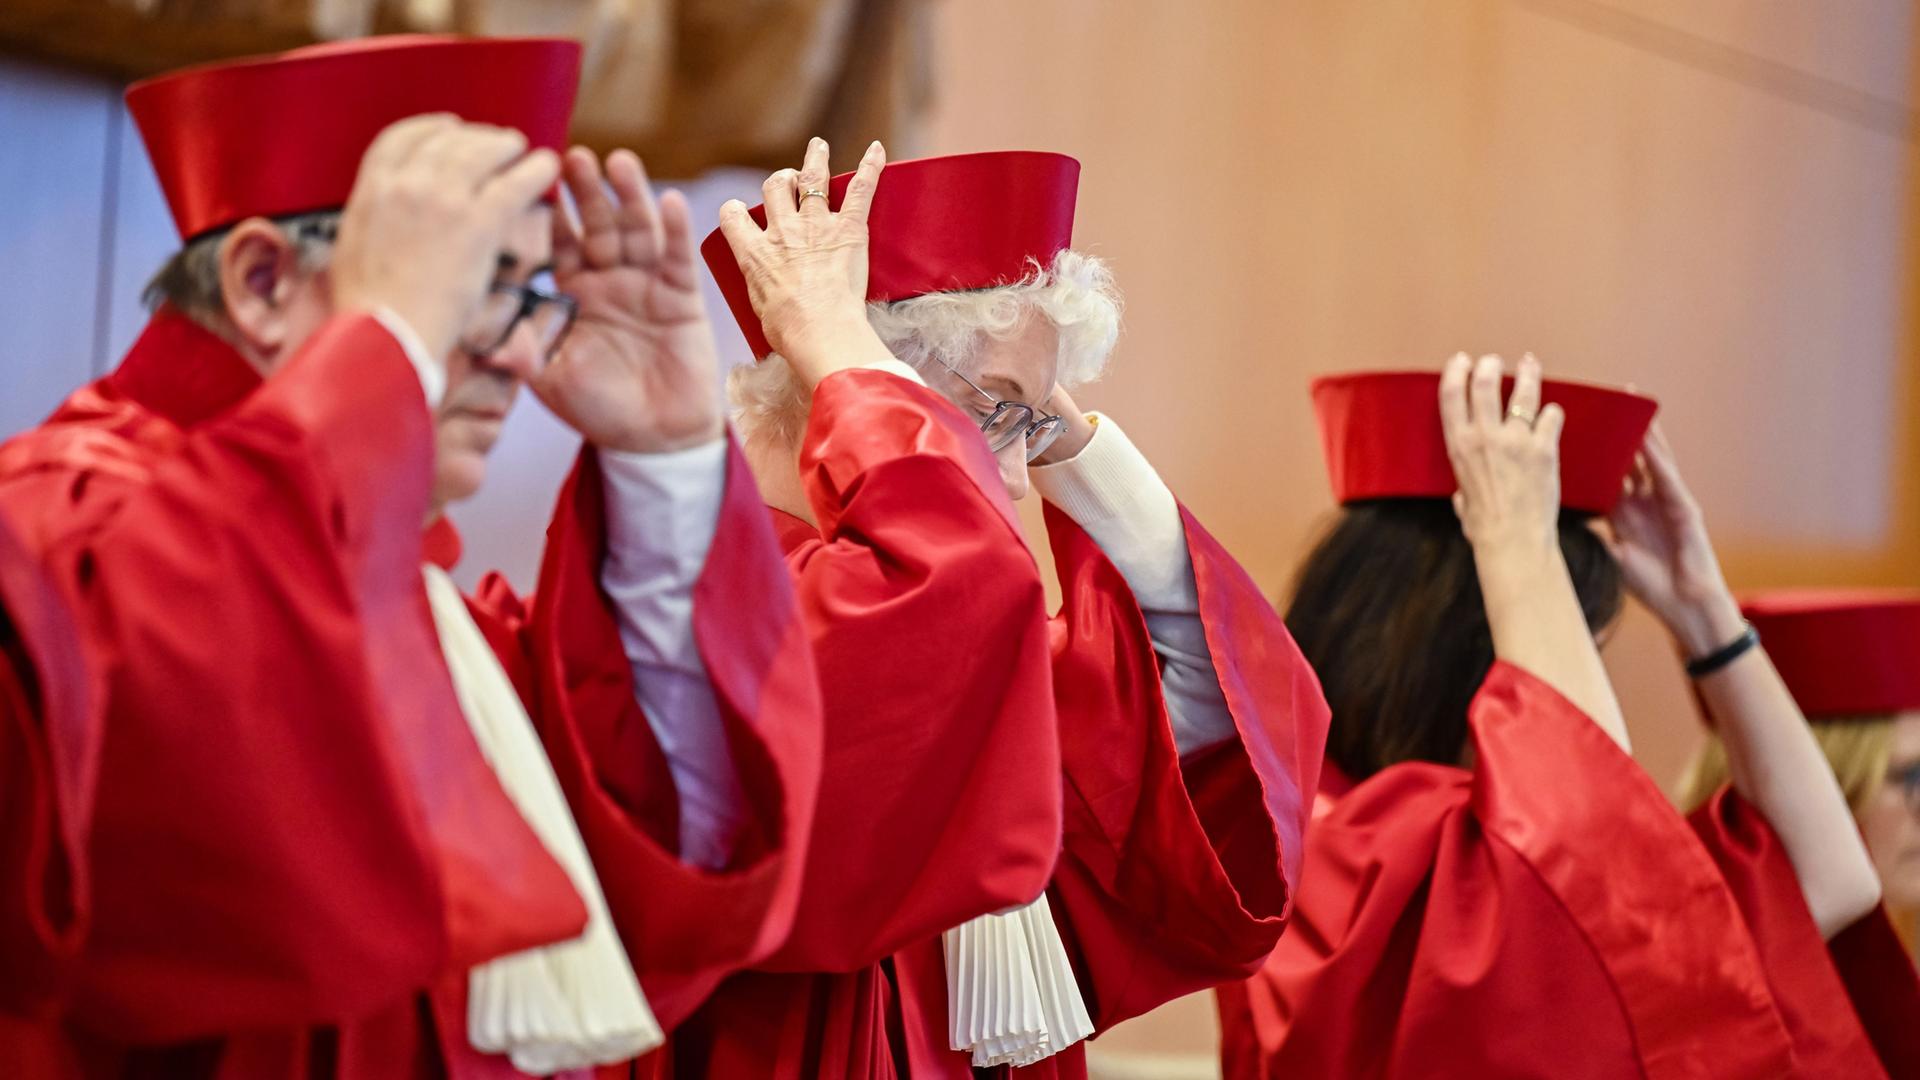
(1023, 367)
(482, 389)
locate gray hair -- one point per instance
(190, 280)
(1076, 294)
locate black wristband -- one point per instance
(1724, 655)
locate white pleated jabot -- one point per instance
(569, 1005)
(1011, 994)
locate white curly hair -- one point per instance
(1076, 294)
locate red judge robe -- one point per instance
(294, 834)
(47, 728)
(977, 752)
(1548, 914)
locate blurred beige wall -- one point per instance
(1711, 200)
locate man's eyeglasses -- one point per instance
(506, 307)
(1011, 421)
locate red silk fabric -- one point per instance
(1852, 1005)
(956, 715)
(1547, 914)
(944, 224)
(49, 754)
(684, 928)
(284, 133)
(291, 823)
(1380, 431)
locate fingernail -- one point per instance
(874, 148)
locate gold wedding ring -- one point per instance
(812, 193)
(1524, 416)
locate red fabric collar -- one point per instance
(187, 374)
(183, 371)
(443, 547)
(1333, 782)
(792, 530)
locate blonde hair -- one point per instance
(1076, 294)
(1858, 748)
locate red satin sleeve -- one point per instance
(1879, 975)
(1175, 877)
(684, 928)
(1439, 908)
(1851, 1013)
(291, 822)
(49, 743)
(940, 782)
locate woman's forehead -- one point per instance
(1906, 734)
(1023, 365)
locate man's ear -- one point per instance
(259, 275)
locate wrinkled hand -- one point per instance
(806, 272)
(1660, 541)
(426, 220)
(1506, 460)
(1075, 432)
(639, 371)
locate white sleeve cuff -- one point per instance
(900, 368)
(662, 512)
(662, 509)
(432, 372)
(1112, 491)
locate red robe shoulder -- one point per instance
(1852, 1004)
(1442, 906)
(291, 824)
(957, 713)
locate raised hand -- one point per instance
(1506, 460)
(806, 271)
(1076, 429)
(639, 371)
(425, 222)
(1660, 541)
(1507, 463)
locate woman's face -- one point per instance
(1022, 367)
(1890, 826)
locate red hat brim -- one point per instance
(1842, 652)
(1380, 431)
(283, 134)
(944, 224)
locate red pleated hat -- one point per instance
(283, 134)
(1380, 431)
(1842, 652)
(945, 224)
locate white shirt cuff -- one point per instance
(432, 372)
(662, 513)
(900, 368)
(665, 507)
(1112, 491)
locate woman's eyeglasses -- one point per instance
(1011, 421)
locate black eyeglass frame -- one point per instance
(530, 300)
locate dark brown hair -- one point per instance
(1387, 610)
